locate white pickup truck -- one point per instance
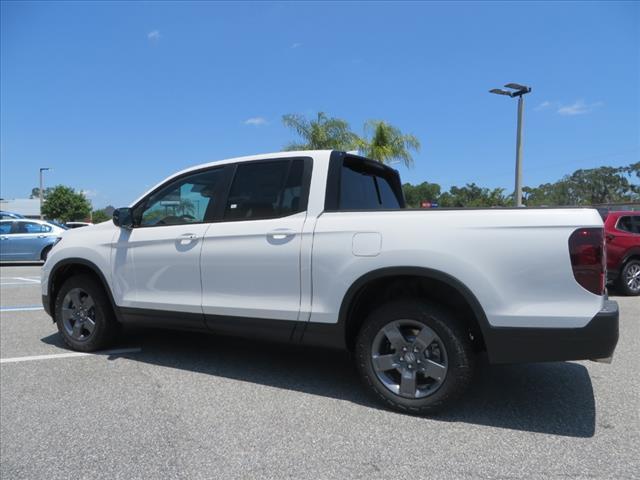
(317, 248)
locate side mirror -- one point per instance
(123, 217)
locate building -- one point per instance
(28, 207)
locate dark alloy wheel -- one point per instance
(630, 278)
(409, 358)
(79, 314)
(415, 356)
(84, 315)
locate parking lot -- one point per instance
(184, 405)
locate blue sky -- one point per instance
(116, 96)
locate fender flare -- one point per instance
(633, 252)
(414, 272)
(49, 303)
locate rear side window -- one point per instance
(30, 227)
(629, 223)
(5, 228)
(365, 188)
(266, 189)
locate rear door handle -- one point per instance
(41, 236)
(281, 234)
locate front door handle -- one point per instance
(186, 240)
(4, 238)
(41, 236)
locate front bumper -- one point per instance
(596, 340)
(46, 305)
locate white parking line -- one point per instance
(69, 355)
(22, 281)
(21, 309)
(35, 280)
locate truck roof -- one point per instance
(317, 155)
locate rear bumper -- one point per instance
(596, 340)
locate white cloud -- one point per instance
(153, 36)
(256, 121)
(90, 193)
(296, 45)
(579, 107)
(544, 105)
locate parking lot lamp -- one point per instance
(516, 90)
(42, 169)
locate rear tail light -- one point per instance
(586, 248)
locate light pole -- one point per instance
(42, 169)
(519, 91)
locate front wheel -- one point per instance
(416, 357)
(83, 314)
(630, 278)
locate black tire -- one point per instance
(459, 356)
(630, 269)
(104, 325)
(45, 253)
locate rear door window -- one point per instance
(266, 189)
(30, 227)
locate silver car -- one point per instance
(26, 239)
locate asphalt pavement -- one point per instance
(186, 405)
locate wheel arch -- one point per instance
(47, 248)
(632, 254)
(378, 286)
(68, 267)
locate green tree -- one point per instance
(386, 144)
(65, 205)
(322, 133)
(99, 216)
(587, 187)
(414, 194)
(35, 192)
(471, 195)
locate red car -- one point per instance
(622, 230)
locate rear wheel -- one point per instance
(630, 278)
(83, 314)
(415, 356)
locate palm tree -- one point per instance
(323, 133)
(385, 143)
